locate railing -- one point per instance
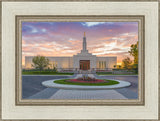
(78, 70)
(74, 70)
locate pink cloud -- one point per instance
(66, 39)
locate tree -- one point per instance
(119, 66)
(135, 67)
(127, 63)
(40, 62)
(134, 52)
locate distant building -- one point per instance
(81, 61)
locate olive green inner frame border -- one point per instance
(102, 18)
(76, 119)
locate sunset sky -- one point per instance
(65, 38)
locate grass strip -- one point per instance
(108, 82)
(45, 73)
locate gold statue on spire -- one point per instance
(84, 34)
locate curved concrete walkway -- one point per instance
(51, 84)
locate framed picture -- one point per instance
(85, 69)
(75, 60)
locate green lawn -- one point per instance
(109, 82)
(44, 73)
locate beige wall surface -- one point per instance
(148, 9)
(108, 61)
(59, 62)
(69, 62)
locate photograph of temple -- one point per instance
(81, 61)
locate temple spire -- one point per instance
(84, 42)
(84, 34)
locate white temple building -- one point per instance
(82, 61)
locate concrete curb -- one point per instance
(117, 75)
(51, 84)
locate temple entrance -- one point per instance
(84, 64)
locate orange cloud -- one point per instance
(65, 38)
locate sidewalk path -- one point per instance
(52, 93)
(90, 94)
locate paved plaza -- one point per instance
(33, 89)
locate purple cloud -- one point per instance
(65, 38)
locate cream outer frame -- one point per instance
(149, 9)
